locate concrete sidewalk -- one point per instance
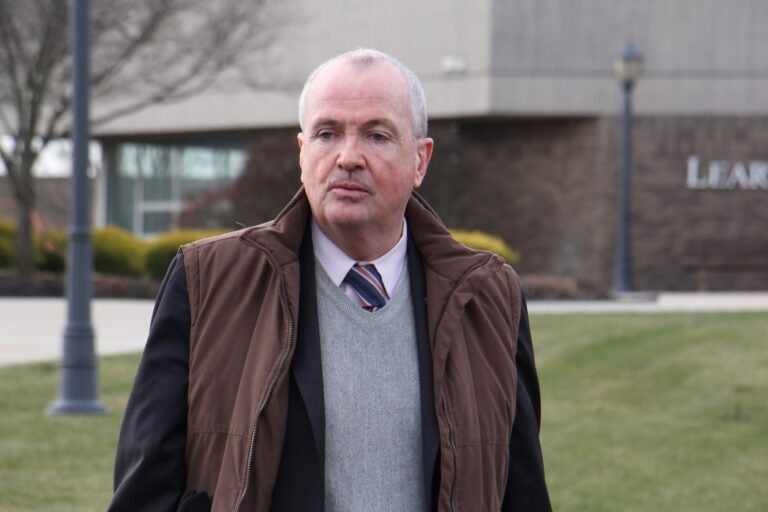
(31, 329)
(664, 302)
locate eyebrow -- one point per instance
(326, 123)
(373, 123)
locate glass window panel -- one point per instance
(185, 178)
(156, 222)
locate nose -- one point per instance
(351, 156)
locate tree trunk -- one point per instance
(25, 204)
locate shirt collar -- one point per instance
(337, 263)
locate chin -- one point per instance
(347, 220)
(347, 214)
(347, 223)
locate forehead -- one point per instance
(358, 88)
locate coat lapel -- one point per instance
(430, 435)
(307, 364)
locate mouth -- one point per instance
(349, 189)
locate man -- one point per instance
(349, 355)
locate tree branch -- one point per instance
(48, 56)
(5, 122)
(156, 98)
(11, 48)
(51, 130)
(116, 63)
(179, 73)
(144, 52)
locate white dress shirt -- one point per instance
(337, 263)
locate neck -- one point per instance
(363, 245)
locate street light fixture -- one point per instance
(78, 389)
(627, 68)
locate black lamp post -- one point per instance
(627, 68)
(78, 389)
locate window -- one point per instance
(153, 186)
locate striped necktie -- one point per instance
(366, 281)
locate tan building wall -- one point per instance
(502, 57)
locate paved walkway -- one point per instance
(32, 329)
(665, 302)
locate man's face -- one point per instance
(359, 159)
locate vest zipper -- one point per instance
(262, 406)
(452, 443)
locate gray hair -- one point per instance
(368, 56)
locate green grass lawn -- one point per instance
(655, 413)
(641, 413)
(58, 463)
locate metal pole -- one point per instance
(78, 386)
(622, 277)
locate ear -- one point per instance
(300, 141)
(423, 155)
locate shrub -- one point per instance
(485, 242)
(161, 250)
(51, 250)
(117, 252)
(7, 244)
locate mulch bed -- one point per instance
(43, 284)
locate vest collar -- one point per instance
(442, 255)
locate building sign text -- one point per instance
(724, 175)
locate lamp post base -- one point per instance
(63, 407)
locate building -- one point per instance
(526, 117)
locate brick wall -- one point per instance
(669, 216)
(540, 184)
(549, 188)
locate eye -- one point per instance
(324, 135)
(378, 137)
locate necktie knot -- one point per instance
(368, 285)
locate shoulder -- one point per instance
(513, 281)
(223, 241)
(222, 262)
(231, 245)
(502, 284)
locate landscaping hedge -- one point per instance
(7, 245)
(51, 250)
(485, 242)
(117, 252)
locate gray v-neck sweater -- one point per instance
(372, 401)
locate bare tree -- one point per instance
(144, 52)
